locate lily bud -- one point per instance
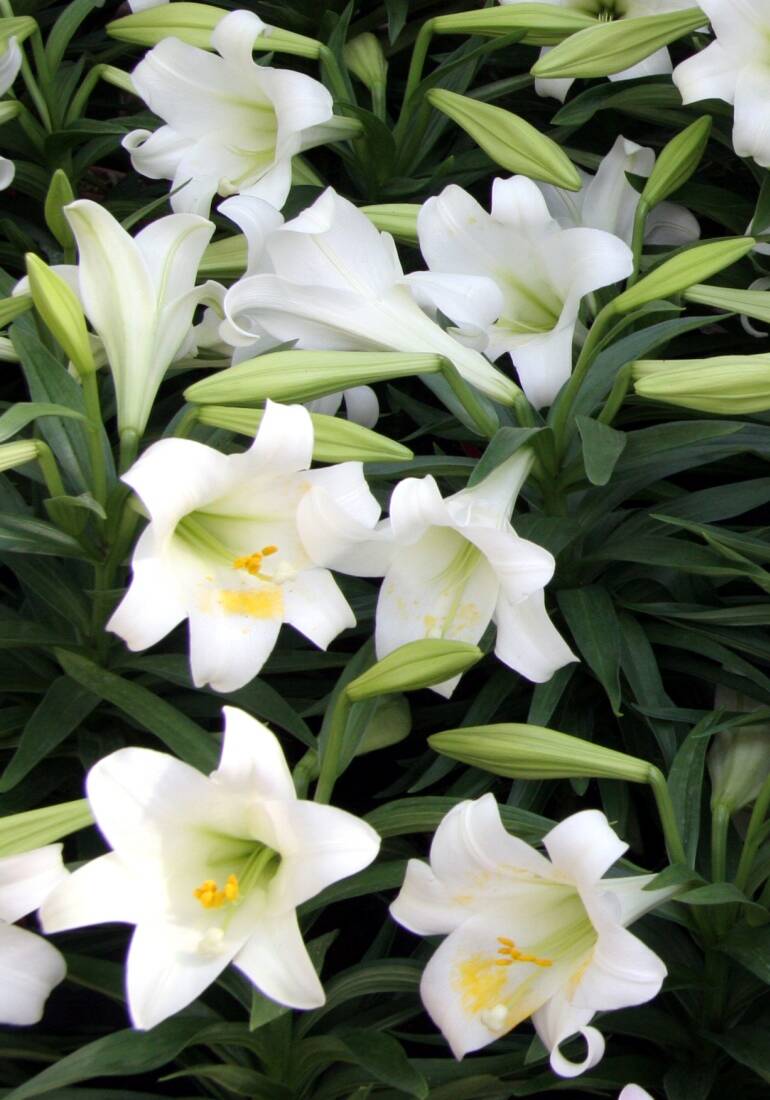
(677, 162)
(729, 385)
(508, 140)
(33, 829)
(9, 109)
(17, 453)
(13, 307)
(683, 271)
(364, 57)
(59, 194)
(533, 752)
(396, 218)
(290, 376)
(334, 440)
(390, 724)
(544, 24)
(18, 27)
(118, 78)
(415, 665)
(738, 759)
(611, 47)
(59, 307)
(750, 303)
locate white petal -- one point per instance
(234, 35)
(416, 505)
(229, 647)
(671, 224)
(315, 606)
(30, 967)
(7, 172)
(559, 1020)
(275, 959)
(543, 363)
(657, 64)
(610, 201)
(156, 155)
(333, 537)
(553, 87)
(634, 1092)
(751, 133)
(346, 484)
(252, 761)
(710, 74)
(518, 203)
(622, 972)
(584, 846)
(172, 248)
(300, 104)
(284, 441)
(582, 260)
(155, 601)
(256, 219)
(424, 904)
(471, 301)
(632, 899)
(99, 892)
(362, 406)
(522, 568)
(491, 501)
(27, 879)
(527, 640)
(10, 63)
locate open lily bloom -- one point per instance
(10, 63)
(656, 64)
(30, 967)
(139, 294)
(7, 172)
(528, 935)
(608, 201)
(229, 547)
(232, 126)
(735, 68)
(210, 869)
(514, 277)
(338, 284)
(634, 1092)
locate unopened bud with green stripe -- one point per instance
(677, 162)
(415, 665)
(727, 385)
(542, 24)
(364, 57)
(61, 311)
(397, 218)
(34, 828)
(60, 193)
(533, 752)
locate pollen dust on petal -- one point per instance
(257, 603)
(480, 983)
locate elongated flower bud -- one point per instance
(396, 218)
(365, 59)
(750, 303)
(738, 759)
(59, 194)
(683, 271)
(677, 162)
(18, 453)
(729, 385)
(543, 24)
(533, 752)
(415, 665)
(34, 828)
(59, 307)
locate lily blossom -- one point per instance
(657, 64)
(7, 172)
(608, 201)
(230, 547)
(10, 64)
(514, 279)
(526, 935)
(734, 68)
(337, 283)
(451, 566)
(30, 966)
(634, 1092)
(232, 126)
(210, 869)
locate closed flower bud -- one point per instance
(544, 24)
(396, 218)
(390, 724)
(677, 162)
(508, 140)
(365, 59)
(59, 194)
(9, 109)
(17, 453)
(683, 271)
(414, 665)
(533, 752)
(749, 303)
(738, 759)
(728, 385)
(34, 828)
(59, 307)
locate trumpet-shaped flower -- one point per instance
(514, 278)
(451, 566)
(230, 547)
(10, 63)
(657, 63)
(232, 126)
(735, 68)
(634, 1092)
(210, 869)
(528, 935)
(337, 283)
(29, 965)
(608, 201)
(139, 294)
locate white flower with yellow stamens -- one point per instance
(229, 546)
(210, 869)
(527, 935)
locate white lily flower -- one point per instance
(139, 294)
(658, 63)
(230, 547)
(7, 172)
(608, 201)
(30, 967)
(451, 566)
(735, 68)
(232, 126)
(527, 935)
(10, 64)
(337, 283)
(514, 277)
(738, 759)
(210, 869)
(634, 1092)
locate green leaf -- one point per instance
(591, 616)
(184, 737)
(717, 893)
(20, 632)
(685, 784)
(236, 1079)
(602, 447)
(751, 948)
(397, 12)
(423, 815)
(504, 443)
(25, 412)
(384, 1057)
(747, 1045)
(675, 875)
(25, 535)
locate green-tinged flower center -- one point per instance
(454, 579)
(256, 870)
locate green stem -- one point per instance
(96, 424)
(486, 424)
(563, 407)
(334, 75)
(720, 823)
(617, 396)
(667, 816)
(330, 755)
(83, 94)
(753, 836)
(637, 242)
(129, 447)
(50, 470)
(305, 772)
(187, 421)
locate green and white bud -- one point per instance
(33, 829)
(288, 376)
(397, 218)
(18, 453)
(749, 303)
(11, 308)
(390, 724)
(543, 24)
(118, 78)
(532, 752)
(59, 307)
(414, 665)
(677, 162)
(728, 385)
(611, 47)
(683, 271)
(334, 439)
(18, 27)
(59, 194)
(364, 57)
(9, 109)
(508, 140)
(738, 759)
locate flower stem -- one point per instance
(720, 823)
(486, 424)
(753, 836)
(129, 446)
(414, 76)
(563, 407)
(331, 753)
(667, 816)
(94, 413)
(637, 242)
(50, 470)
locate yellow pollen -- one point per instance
(264, 603)
(511, 954)
(211, 897)
(252, 563)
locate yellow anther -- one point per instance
(211, 897)
(268, 550)
(252, 563)
(511, 954)
(232, 892)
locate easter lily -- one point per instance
(230, 546)
(30, 967)
(210, 869)
(528, 935)
(634, 1092)
(232, 126)
(514, 279)
(338, 284)
(10, 64)
(736, 69)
